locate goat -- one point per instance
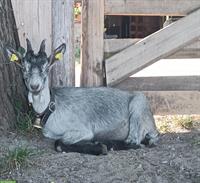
(85, 120)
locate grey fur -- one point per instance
(87, 114)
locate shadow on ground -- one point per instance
(175, 159)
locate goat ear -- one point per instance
(29, 47)
(58, 54)
(42, 46)
(13, 55)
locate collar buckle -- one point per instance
(52, 106)
(42, 118)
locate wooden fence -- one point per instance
(178, 40)
(181, 39)
(53, 20)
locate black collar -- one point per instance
(42, 118)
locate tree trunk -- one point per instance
(12, 89)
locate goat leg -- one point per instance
(117, 145)
(86, 148)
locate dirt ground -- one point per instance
(175, 159)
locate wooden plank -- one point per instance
(150, 7)
(190, 51)
(152, 48)
(116, 45)
(174, 102)
(63, 73)
(92, 42)
(165, 83)
(113, 46)
(53, 21)
(33, 19)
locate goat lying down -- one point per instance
(84, 120)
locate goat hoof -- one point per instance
(104, 149)
(58, 147)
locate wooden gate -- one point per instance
(178, 40)
(181, 39)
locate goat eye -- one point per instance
(26, 74)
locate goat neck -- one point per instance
(40, 101)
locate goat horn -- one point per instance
(29, 47)
(42, 46)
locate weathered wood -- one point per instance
(190, 51)
(150, 7)
(165, 83)
(63, 73)
(152, 48)
(51, 20)
(33, 19)
(174, 102)
(92, 42)
(12, 89)
(116, 45)
(113, 46)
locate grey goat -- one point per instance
(85, 120)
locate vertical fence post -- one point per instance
(63, 32)
(92, 42)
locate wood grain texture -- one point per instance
(159, 45)
(113, 46)
(174, 102)
(165, 83)
(190, 51)
(51, 20)
(63, 73)
(116, 45)
(92, 42)
(150, 7)
(33, 19)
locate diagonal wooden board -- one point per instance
(113, 46)
(152, 48)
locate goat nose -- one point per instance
(34, 87)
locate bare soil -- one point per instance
(175, 159)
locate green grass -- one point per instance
(77, 52)
(171, 123)
(164, 124)
(24, 118)
(184, 122)
(164, 128)
(15, 159)
(24, 122)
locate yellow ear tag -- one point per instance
(13, 58)
(58, 56)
